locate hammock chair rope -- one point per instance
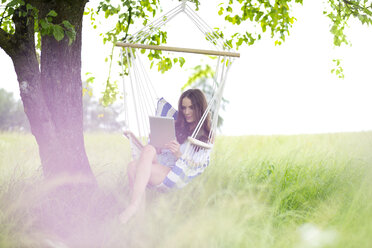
(144, 97)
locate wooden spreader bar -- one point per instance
(179, 49)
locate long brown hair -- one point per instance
(199, 102)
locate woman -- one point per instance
(151, 169)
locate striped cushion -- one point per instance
(182, 173)
(165, 109)
(187, 169)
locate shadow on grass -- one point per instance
(58, 213)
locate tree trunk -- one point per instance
(52, 93)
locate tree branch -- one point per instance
(353, 5)
(129, 20)
(5, 42)
(24, 35)
(20, 46)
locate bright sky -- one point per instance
(285, 89)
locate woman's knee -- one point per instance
(149, 150)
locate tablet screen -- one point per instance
(162, 130)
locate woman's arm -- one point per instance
(174, 147)
(134, 139)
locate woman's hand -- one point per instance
(174, 147)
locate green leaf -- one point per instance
(220, 12)
(58, 32)
(240, 42)
(71, 36)
(12, 3)
(45, 27)
(29, 7)
(67, 24)
(110, 94)
(90, 80)
(182, 61)
(52, 13)
(44, 24)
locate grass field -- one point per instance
(259, 191)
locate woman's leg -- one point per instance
(142, 174)
(146, 172)
(131, 173)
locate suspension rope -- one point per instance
(208, 32)
(132, 87)
(143, 91)
(206, 29)
(125, 102)
(155, 25)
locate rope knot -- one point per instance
(184, 4)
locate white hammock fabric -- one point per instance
(139, 90)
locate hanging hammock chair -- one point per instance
(139, 90)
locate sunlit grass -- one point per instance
(259, 191)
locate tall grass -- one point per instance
(259, 191)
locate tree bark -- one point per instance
(52, 92)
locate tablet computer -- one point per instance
(162, 130)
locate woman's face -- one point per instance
(188, 110)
